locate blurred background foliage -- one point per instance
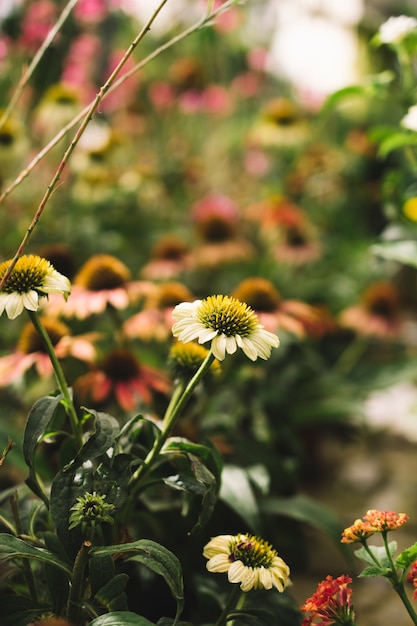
(203, 171)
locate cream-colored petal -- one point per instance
(264, 578)
(236, 572)
(218, 347)
(30, 300)
(14, 305)
(218, 563)
(220, 544)
(56, 283)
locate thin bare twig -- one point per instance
(26, 76)
(208, 17)
(86, 115)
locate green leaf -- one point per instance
(252, 617)
(208, 453)
(113, 594)
(112, 478)
(373, 571)
(11, 547)
(77, 479)
(57, 581)
(237, 492)
(401, 251)
(101, 571)
(304, 509)
(407, 557)
(69, 484)
(106, 430)
(121, 618)
(379, 553)
(42, 417)
(395, 141)
(20, 610)
(339, 96)
(155, 557)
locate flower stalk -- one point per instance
(231, 604)
(178, 402)
(60, 378)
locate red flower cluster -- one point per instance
(412, 578)
(374, 521)
(330, 603)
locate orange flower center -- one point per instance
(120, 365)
(30, 341)
(103, 272)
(259, 293)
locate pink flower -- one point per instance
(101, 282)
(121, 377)
(38, 21)
(91, 11)
(30, 351)
(377, 314)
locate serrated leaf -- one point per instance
(407, 557)
(373, 571)
(121, 618)
(236, 491)
(157, 558)
(401, 251)
(378, 553)
(12, 547)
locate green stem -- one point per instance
(398, 584)
(59, 375)
(180, 398)
(230, 605)
(351, 355)
(74, 610)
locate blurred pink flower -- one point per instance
(161, 95)
(378, 313)
(121, 377)
(30, 351)
(275, 313)
(36, 24)
(91, 11)
(80, 64)
(101, 282)
(169, 258)
(155, 321)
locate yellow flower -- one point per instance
(31, 278)
(228, 323)
(410, 208)
(248, 560)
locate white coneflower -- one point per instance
(31, 278)
(228, 323)
(247, 560)
(396, 28)
(409, 120)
